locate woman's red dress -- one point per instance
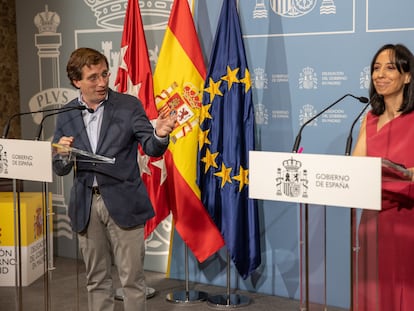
(385, 279)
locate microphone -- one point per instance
(349, 139)
(7, 126)
(62, 110)
(295, 148)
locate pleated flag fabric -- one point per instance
(134, 77)
(227, 135)
(178, 83)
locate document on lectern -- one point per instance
(91, 156)
(26, 160)
(392, 171)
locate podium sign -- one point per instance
(26, 160)
(345, 181)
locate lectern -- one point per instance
(26, 160)
(315, 181)
(23, 160)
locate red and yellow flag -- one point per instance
(135, 77)
(178, 85)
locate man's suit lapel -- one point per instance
(106, 120)
(83, 136)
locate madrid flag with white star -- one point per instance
(135, 77)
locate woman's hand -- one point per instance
(411, 169)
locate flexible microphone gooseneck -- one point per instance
(62, 110)
(295, 148)
(7, 126)
(349, 139)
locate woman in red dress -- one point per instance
(385, 263)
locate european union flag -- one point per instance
(226, 136)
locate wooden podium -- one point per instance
(315, 181)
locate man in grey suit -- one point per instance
(109, 204)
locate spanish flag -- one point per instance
(178, 85)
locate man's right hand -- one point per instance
(64, 141)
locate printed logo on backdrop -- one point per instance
(365, 78)
(261, 114)
(307, 112)
(364, 83)
(333, 78)
(295, 8)
(280, 78)
(334, 116)
(292, 180)
(285, 14)
(289, 8)
(110, 14)
(48, 42)
(259, 78)
(3, 161)
(308, 79)
(261, 82)
(51, 96)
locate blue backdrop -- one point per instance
(303, 55)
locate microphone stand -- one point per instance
(349, 139)
(39, 130)
(299, 136)
(17, 244)
(7, 126)
(48, 262)
(306, 207)
(353, 221)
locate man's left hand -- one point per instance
(165, 123)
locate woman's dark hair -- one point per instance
(83, 57)
(404, 62)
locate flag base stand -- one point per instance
(119, 293)
(186, 296)
(222, 302)
(227, 301)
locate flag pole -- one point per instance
(228, 300)
(187, 296)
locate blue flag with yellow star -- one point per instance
(226, 136)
